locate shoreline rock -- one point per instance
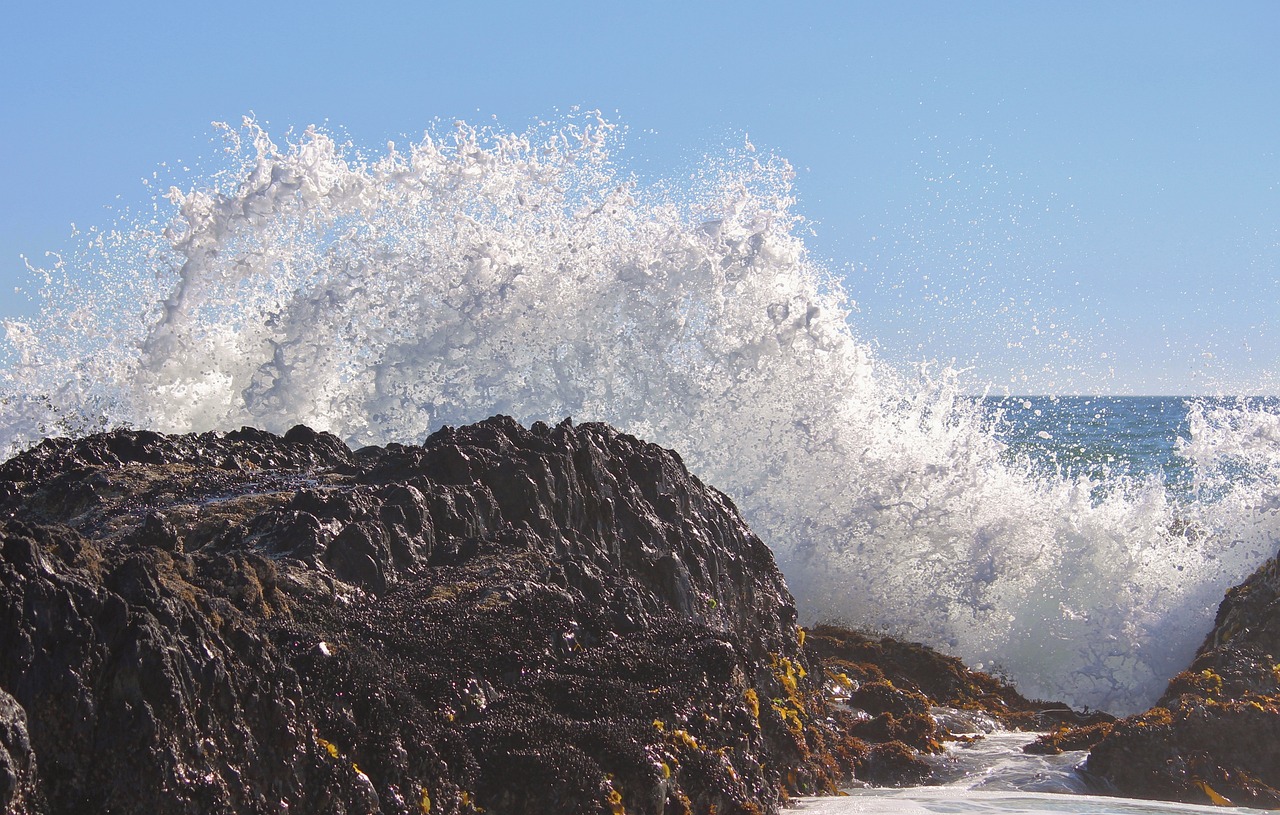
(502, 619)
(1214, 736)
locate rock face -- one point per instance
(1214, 736)
(504, 619)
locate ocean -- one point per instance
(947, 801)
(992, 776)
(1078, 546)
(1108, 439)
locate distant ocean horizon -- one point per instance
(1106, 437)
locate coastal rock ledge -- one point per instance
(503, 620)
(1214, 736)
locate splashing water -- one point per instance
(491, 273)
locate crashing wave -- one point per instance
(487, 272)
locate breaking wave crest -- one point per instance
(488, 272)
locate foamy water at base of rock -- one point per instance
(960, 802)
(993, 775)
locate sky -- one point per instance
(1054, 197)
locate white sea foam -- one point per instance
(490, 272)
(948, 801)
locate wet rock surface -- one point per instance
(18, 783)
(1214, 736)
(502, 619)
(897, 691)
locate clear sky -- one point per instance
(1083, 194)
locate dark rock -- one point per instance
(520, 621)
(18, 777)
(1066, 737)
(1215, 733)
(888, 676)
(558, 619)
(894, 764)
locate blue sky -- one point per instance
(1058, 196)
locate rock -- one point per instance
(1214, 735)
(502, 619)
(893, 764)
(1065, 738)
(18, 777)
(897, 689)
(507, 620)
(906, 677)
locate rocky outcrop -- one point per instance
(503, 619)
(897, 689)
(918, 672)
(1214, 736)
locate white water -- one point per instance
(993, 776)
(489, 273)
(949, 801)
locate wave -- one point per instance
(488, 272)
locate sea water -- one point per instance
(1079, 547)
(1108, 439)
(993, 776)
(952, 801)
